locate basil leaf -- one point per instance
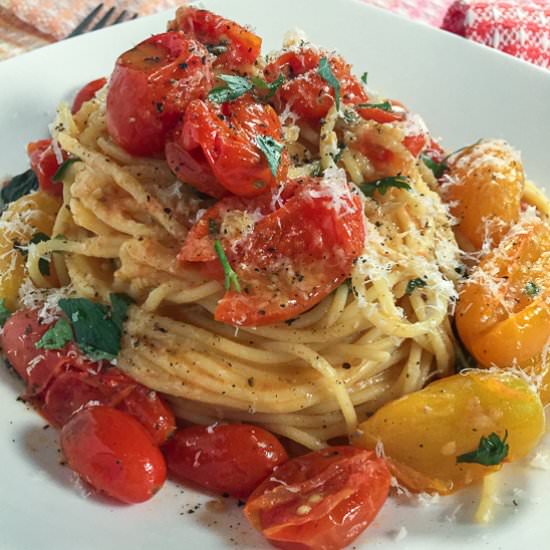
(271, 87)
(364, 77)
(272, 151)
(4, 312)
(231, 277)
(119, 308)
(491, 451)
(96, 333)
(57, 336)
(18, 186)
(236, 87)
(327, 75)
(531, 289)
(382, 185)
(437, 168)
(60, 172)
(413, 284)
(384, 106)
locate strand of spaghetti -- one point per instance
(300, 436)
(173, 292)
(339, 300)
(328, 143)
(534, 196)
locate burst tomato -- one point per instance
(150, 88)
(233, 45)
(320, 501)
(86, 93)
(305, 91)
(226, 137)
(44, 164)
(113, 453)
(232, 459)
(288, 258)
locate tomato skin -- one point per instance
(151, 87)
(232, 458)
(44, 164)
(307, 236)
(86, 93)
(225, 136)
(320, 501)
(242, 46)
(113, 453)
(305, 92)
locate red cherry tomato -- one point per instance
(287, 259)
(233, 45)
(151, 87)
(230, 459)
(320, 501)
(305, 91)
(415, 143)
(379, 115)
(226, 136)
(86, 93)
(44, 164)
(113, 452)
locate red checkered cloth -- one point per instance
(521, 29)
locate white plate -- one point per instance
(464, 92)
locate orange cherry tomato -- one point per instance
(320, 501)
(233, 44)
(232, 458)
(287, 258)
(113, 452)
(305, 91)
(86, 93)
(44, 164)
(502, 315)
(227, 137)
(150, 88)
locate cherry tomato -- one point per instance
(114, 453)
(379, 115)
(86, 93)
(232, 459)
(44, 164)
(226, 136)
(305, 91)
(233, 45)
(320, 501)
(287, 259)
(415, 143)
(150, 88)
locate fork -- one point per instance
(110, 17)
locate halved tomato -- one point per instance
(45, 164)
(87, 92)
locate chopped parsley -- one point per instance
(272, 151)
(384, 106)
(531, 289)
(97, 328)
(43, 263)
(17, 187)
(439, 168)
(382, 185)
(270, 87)
(413, 284)
(4, 312)
(231, 278)
(491, 451)
(327, 75)
(61, 171)
(56, 336)
(235, 88)
(364, 77)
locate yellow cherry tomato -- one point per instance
(503, 313)
(484, 191)
(424, 432)
(31, 214)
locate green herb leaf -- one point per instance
(236, 87)
(491, 451)
(337, 156)
(271, 87)
(213, 226)
(384, 106)
(230, 276)
(382, 185)
(327, 75)
(531, 289)
(43, 263)
(413, 284)
(364, 77)
(119, 308)
(4, 312)
(57, 336)
(272, 151)
(437, 168)
(18, 186)
(96, 332)
(61, 171)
